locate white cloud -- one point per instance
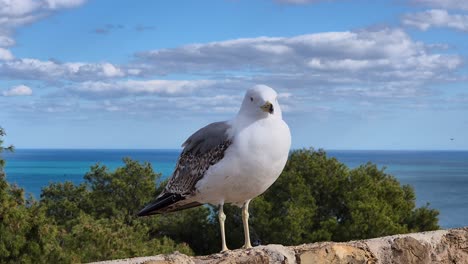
(140, 87)
(110, 70)
(34, 69)
(5, 54)
(284, 95)
(328, 62)
(6, 41)
(16, 13)
(134, 71)
(24, 8)
(372, 65)
(376, 55)
(446, 4)
(20, 90)
(56, 4)
(18, 7)
(436, 18)
(359, 65)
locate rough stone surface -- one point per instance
(350, 253)
(442, 246)
(410, 250)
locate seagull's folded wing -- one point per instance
(201, 150)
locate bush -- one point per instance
(98, 217)
(316, 198)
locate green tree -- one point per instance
(98, 217)
(3, 149)
(65, 202)
(26, 235)
(91, 221)
(121, 193)
(423, 219)
(93, 239)
(318, 198)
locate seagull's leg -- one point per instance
(245, 221)
(222, 218)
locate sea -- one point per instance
(439, 178)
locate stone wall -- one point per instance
(443, 246)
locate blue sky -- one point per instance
(351, 74)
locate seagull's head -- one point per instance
(261, 101)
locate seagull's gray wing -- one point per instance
(207, 138)
(201, 150)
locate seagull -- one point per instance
(231, 162)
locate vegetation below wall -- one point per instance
(316, 198)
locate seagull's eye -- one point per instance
(251, 99)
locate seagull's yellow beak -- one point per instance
(268, 107)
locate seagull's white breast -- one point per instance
(251, 164)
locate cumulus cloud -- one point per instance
(378, 55)
(109, 70)
(367, 65)
(446, 4)
(436, 18)
(5, 54)
(56, 4)
(139, 87)
(18, 8)
(23, 8)
(370, 65)
(20, 90)
(34, 69)
(6, 41)
(17, 13)
(173, 106)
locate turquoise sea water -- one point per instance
(439, 177)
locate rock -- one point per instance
(442, 246)
(261, 254)
(334, 253)
(410, 250)
(453, 247)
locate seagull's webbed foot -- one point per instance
(247, 246)
(224, 250)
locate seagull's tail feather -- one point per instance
(168, 202)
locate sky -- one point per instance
(350, 74)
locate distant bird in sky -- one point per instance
(230, 162)
(452, 139)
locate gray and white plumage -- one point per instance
(201, 150)
(231, 161)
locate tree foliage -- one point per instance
(316, 198)
(123, 192)
(91, 221)
(98, 217)
(26, 235)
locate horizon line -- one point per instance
(179, 149)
